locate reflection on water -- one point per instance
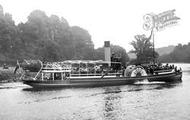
(112, 103)
(139, 101)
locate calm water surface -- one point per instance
(142, 101)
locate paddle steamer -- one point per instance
(89, 73)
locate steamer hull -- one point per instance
(170, 77)
(107, 81)
(78, 82)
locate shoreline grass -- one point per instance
(7, 75)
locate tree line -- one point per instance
(181, 53)
(51, 38)
(48, 38)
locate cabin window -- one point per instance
(91, 69)
(47, 76)
(75, 68)
(57, 76)
(83, 68)
(67, 74)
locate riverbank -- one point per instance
(7, 75)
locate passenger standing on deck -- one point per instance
(151, 70)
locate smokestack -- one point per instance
(107, 52)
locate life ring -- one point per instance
(138, 71)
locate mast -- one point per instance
(153, 46)
(153, 54)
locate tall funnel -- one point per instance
(107, 52)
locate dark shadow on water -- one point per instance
(167, 86)
(112, 89)
(112, 103)
(43, 89)
(154, 86)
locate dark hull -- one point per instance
(171, 77)
(95, 82)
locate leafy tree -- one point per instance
(48, 38)
(49, 51)
(120, 52)
(8, 37)
(99, 53)
(82, 43)
(143, 49)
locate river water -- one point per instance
(142, 101)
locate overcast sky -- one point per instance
(114, 20)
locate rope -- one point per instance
(39, 70)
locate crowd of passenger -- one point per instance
(157, 68)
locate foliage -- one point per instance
(143, 49)
(48, 38)
(165, 50)
(7, 74)
(8, 36)
(181, 53)
(121, 53)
